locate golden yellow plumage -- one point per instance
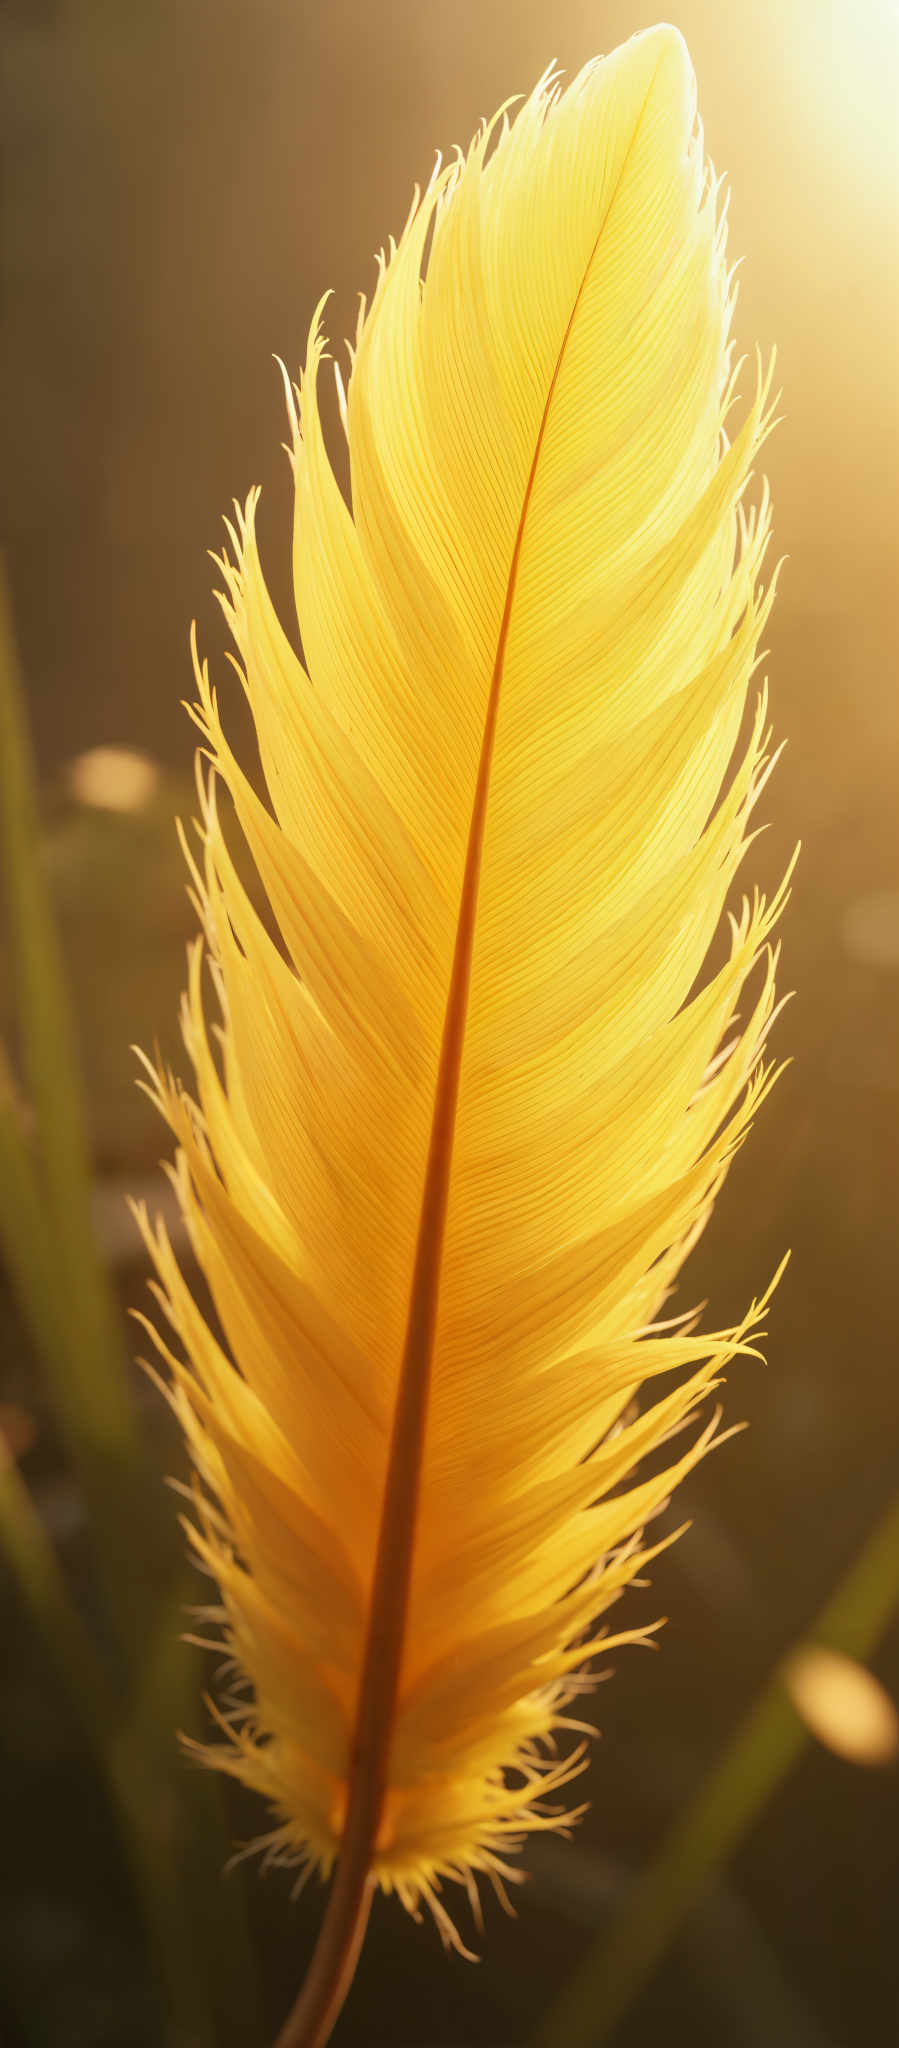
(455, 1134)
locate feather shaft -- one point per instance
(343, 1929)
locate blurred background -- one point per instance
(183, 179)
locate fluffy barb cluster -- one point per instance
(463, 1094)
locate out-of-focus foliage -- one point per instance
(126, 1673)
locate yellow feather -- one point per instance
(453, 1136)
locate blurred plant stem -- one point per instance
(46, 1204)
(758, 1758)
(30, 1553)
(120, 1749)
(132, 1703)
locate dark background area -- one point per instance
(182, 180)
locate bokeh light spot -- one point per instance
(113, 779)
(844, 1705)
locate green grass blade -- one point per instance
(64, 1291)
(24, 1242)
(97, 1406)
(32, 1561)
(760, 1755)
(141, 1796)
(169, 1820)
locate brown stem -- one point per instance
(333, 1965)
